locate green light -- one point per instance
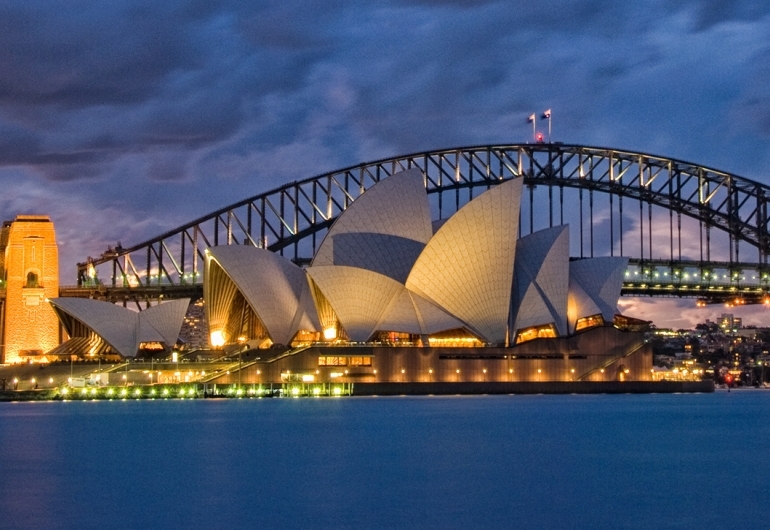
(295, 391)
(316, 391)
(165, 391)
(191, 391)
(337, 391)
(110, 391)
(137, 392)
(65, 390)
(124, 392)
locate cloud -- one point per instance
(159, 112)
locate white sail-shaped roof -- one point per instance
(366, 301)
(541, 279)
(383, 230)
(274, 287)
(401, 315)
(579, 305)
(601, 279)
(433, 319)
(124, 330)
(117, 326)
(467, 267)
(359, 297)
(165, 319)
(411, 313)
(146, 332)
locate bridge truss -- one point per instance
(687, 229)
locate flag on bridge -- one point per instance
(531, 118)
(546, 115)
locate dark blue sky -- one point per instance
(123, 119)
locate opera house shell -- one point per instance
(100, 329)
(391, 287)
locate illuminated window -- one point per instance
(454, 338)
(151, 346)
(344, 361)
(31, 280)
(589, 322)
(536, 332)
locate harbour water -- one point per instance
(564, 461)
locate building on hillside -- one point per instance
(729, 323)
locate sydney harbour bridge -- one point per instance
(688, 230)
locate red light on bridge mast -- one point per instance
(539, 137)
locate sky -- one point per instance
(123, 119)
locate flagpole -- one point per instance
(547, 116)
(534, 130)
(549, 127)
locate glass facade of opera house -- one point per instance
(392, 295)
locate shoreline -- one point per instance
(211, 391)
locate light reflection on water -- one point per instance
(628, 461)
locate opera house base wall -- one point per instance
(548, 387)
(599, 354)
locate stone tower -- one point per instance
(29, 269)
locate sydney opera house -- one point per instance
(394, 296)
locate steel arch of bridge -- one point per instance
(293, 218)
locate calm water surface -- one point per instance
(648, 461)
